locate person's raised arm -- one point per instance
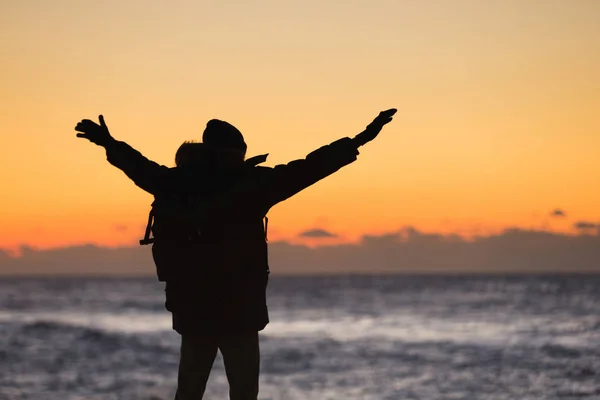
(270, 186)
(284, 181)
(145, 173)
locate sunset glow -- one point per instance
(498, 104)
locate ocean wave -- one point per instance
(498, 330)
(405, 338)
(558, 351)
(123, 322)
(38, 348)
(407, 328)
(73, 335)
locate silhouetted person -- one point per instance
(210, 244)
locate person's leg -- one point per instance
(197, 356)
(241, 356)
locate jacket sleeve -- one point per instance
(145, 173)
(284, 181)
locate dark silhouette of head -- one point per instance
(222, 146)
(226, 137)
(191, 153)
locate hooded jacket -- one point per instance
(225, 269)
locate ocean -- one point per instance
(330, 337)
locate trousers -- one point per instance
(241, 356)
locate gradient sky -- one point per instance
(498, 121)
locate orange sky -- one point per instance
(498, 121)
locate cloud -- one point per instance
(514, 250)
(584, 225)
(405, 251)
(4, 256)
(317, 233)
(558, 213)
(79, 260)
(121, 228)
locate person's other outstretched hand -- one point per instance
(375, 127)
(93, 132)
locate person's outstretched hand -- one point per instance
(375, 127)
(93, 132)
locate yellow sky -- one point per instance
(498, 121)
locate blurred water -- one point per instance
(348, 337)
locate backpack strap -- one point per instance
(266, 228)
(147, 239)
(266, 240)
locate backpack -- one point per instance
(179, 246)
(182, 248)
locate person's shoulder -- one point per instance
(179, 176)
(260, 170)
(173, 171)
(257, 174)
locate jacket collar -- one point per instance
(254, 161)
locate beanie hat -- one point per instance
(222, 134)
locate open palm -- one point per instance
(375, 127)
(95, 133)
